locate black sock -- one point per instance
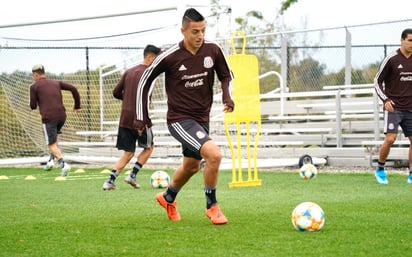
(137, 166)
(381, 165)
(113, 176)
(410, 171)
(61, 162)
(51, 157)
(170, 194)
(210, 194)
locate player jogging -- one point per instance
(127, 135)
(46, 94)
(393, 85)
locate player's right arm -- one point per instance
(119, 89)
(379, 83)
(143, 92)
(380, 77)
(33, 97)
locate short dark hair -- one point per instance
(39, 68)
(405, 33)
(151, 49)
(191, 15)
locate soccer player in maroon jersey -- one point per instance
(127, 135)
(189, 68)
(393, 84)
(46, 94)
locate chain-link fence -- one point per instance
(306, 61)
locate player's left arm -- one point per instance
(75, 94)
(225, 76)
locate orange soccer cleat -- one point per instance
(171, 210)
(215, 215)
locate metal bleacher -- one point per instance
(335, 121)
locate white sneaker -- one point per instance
(108, 186)
(65, 170)
(131, 181)
(49, 165)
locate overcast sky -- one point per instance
(305, 14)
(308, 13)
(319, 12)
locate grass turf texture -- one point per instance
(75, 217)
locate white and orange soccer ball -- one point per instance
(308, 216)
(160, 179)
(308, 171)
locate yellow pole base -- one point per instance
(248, 183)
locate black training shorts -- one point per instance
(392, 120)
(127, 138)
(51, 130)
(192, 135)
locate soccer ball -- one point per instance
(308, 171)
(308, 216)
(160, 179)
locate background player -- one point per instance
(46, 94)
(127, 135)
(393, 84)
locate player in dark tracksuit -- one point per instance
(127, 135)
(189, 68)
(46, 94)
(393, 85)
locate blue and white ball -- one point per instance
(308, 216)
(308, 171)
(160, 179)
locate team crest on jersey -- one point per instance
(200, 134)
(208, 62)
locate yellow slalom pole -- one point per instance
(232, 151)
(245, 92)
(239, 153)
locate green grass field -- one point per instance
(75, 217)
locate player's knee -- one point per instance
(211, 152)
(150, 149)
(390, 140)
(214, 158)
(191, 167)
(194, 169)
(128, 155)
